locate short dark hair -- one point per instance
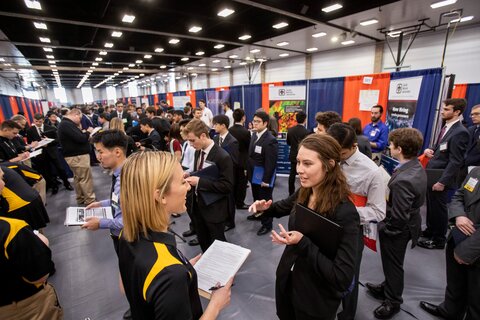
(300, 117)
(159, 111)
(119, 103)
(139, 108)
(188, 104)
(379, 107)
(356, 124)
(105, 116)
(328, 118)
(238, 114)
(409, 139)
(111, 139)
(262, 115)
(10, 124)
(146, 122)
(202, 100)
(457, 103)
(38, 116)
(100, 110)
(150, 110)
(174, 132)
(178, 113)
(226, 103)
(197, 109)
(184, 122)
(344, 134)
(221, 119)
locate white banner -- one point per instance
(179, 101)
(287, 93)
(405, 89)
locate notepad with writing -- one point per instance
(324, 233)
(218, 264)
(76, 215)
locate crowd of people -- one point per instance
(165, 161)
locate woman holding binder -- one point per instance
(160, 283)
(310, 284)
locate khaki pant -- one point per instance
(41, 306)
(82, 178)
(41, 187)
(377, 157)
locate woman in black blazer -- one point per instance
(309, 284)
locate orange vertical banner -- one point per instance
(459, 91)
(13, 105)
(193, 97)
(170, 98)
(25, 111)
(353, 85)
(155, 99)
(265, 94)
(2, 116)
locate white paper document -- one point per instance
(367, 99)
(76, 215)
(34, 154)
(44, 142)
(218, 264)
(95, 130)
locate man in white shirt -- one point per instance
(228, 112)
(207, 114)
(367, 185)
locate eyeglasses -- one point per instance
(474, 114)
(257, 121)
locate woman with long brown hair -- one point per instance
(309, 284)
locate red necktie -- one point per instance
(202, 159)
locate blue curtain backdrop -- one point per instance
(427, 99)
(150, 100)
(295, 83)
(6, 108)
(253, 99)
(473, 98)
(236, 95)
(324, 95)
(200, 94)
(162, 96)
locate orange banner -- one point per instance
(265, 94)
(25, 111)
(353, 85)
(459, 91)
(14, 105)
(170, 98)
(155, 99)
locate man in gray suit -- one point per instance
(462, 295)
(408, 186)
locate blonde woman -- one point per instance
(117, 124)
(160, 283)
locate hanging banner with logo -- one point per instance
(285, 102)
(179, 101)
(402, 102)
(215, 100)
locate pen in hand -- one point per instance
(218, 287)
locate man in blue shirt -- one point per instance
(377, 133)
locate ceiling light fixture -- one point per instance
(128, 18)
(334, 39)
(319, 34)
(283, 55)
(262, 60)
(173, 41)
(214, 69)
(245, 37)
(227, 67)
(242, 63)
(158, 49)
(94, 64)
(462, 19)
(185, 59)
(98, 59)
(40, 25)
(147, 56)
(282, 44)
(163, 66)
(33, 4)
(280, 25)
(368, 22)
(138, 61)
(225, 12)
(199, 53)
(254, 50)
(125, 68)
(51, 61)
(219, 46)
(216, 61)
(49, 56)
(190, 68)
(443, 3)
(345, 43)
(108, 45)
(44, 39)
(47, 49)
(333, 7)
(103, 53)
(202, 65)
(233, 56)
(116, 34)
(194, 29)
(312, 49)
(131, 65)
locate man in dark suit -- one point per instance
(49, 156)
(294, 136)
(408, 187)
(153, 140)
(225, 140)
(243, 137)
(472, 156)
(210, 193)
(122, 114)
(462, 294)
(447, 154)
(263, 153)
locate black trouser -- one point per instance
(437, 214)
(462, 294)
(393, 250)
(231, 210)
(240, 187)
(292, 177)
(207, 232)
(115, 242)
(263, 193)
(350, 301)
(189, 205)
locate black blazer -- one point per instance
(364, 145)
(74, 142)
(229, 144)
(125, 115)
(472, 156)
(267, 158)
(48, 132)
(454, 143)
(243, 137)
(408, 188)
(216, 212)
(294, 136)
(316, 284)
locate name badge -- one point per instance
(373, 133)
(124, 121)
(470, 185)
(443, 146)
(114, 197)
(258, 149)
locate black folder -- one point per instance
(433, 175)
(324, 233)
(210, 172)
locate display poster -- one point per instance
(402, 102)
(215, 100)
(179, 101)
(283, 163)
(284, 103)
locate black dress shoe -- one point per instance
(243, 207)
(253, 217)
(68, 187)
(263, 230)
(376, 290)
(55, 190)
(193, 242)
(432, 309)
(431, 244)
(386, 310)
(229, 227)
(189, 233)
(426, 234)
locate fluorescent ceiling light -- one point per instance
(98, 59)
(368, 22)
(242, 63)
(319, 34)
(147, 56)
(142, 74)
(254, 51)
(125, 68)
(138, 61)
(40, 25)
(116, 34)
(194, 29)
(131, 65)
(462, 19)
(163, 66)
(174, 41)
(190, 68)
(227, 67)
(280, 25)
(283, 55)
(94, 64)
(158, 49)
(51, 61)
(128, 18)
(44, 39)
(312, 49)
(2, 60)
(214, 69)
(394, 34)
(108, 45)
(233, 56)
(103, 53)
(49, 56)
(33, 4)
(225, 12)
(282, 44)
(202, 65)
(7, 64)
(249, 58)
(262, 60)
(216, 61)
(219, 46)
(333, 7)
(199, 53)
(245, 37)
(443, 3)
(334, 39)
(347, 42)
(47, 49)
(185, 59)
